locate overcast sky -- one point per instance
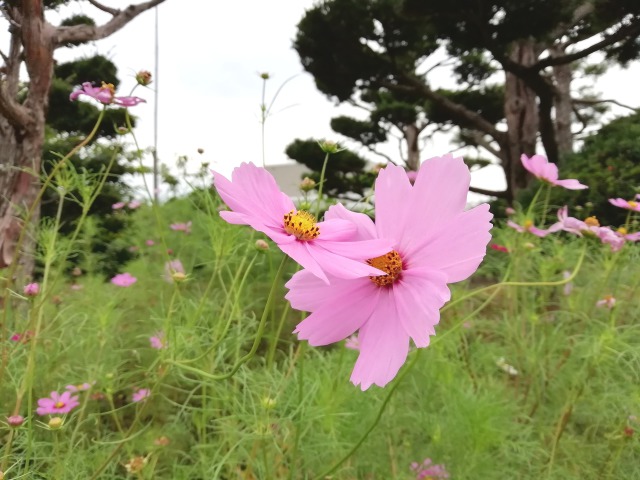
(211, 54)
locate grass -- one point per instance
(560, 404)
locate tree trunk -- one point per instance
(563, 104)
(411, 134)
(521, 113)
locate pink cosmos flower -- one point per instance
(124, 280)
(105, 94)
(441, 244)
(149, 243)
(157, 341)
(181, 227)
(352, 343)
(607, 301)
(31, 289)
(510, 211)
(134, 204)
(499, 248)
(568, 224)
(118, 206)
(528, 227)
(140, 394)
(540, 167)
(629, 237)
(57, 403)
(428, 471)
(76, 287)
(612, 238)
(627, 204)
(22, 337)
(323, 248)
(81, 387)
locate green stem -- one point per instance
(321, 184)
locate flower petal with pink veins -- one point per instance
(393, 195)
(307, 292)
(345, 310)
(339, 266)
(384, 345)
(300, 253)
(457, 248)
(440, 192)
(365, 226)
(336, 230)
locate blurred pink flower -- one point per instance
(626, 204)
(105, 94)
(57, 403)
(607, 301)
(323, 248)
(31, 289)
(568, 224)
(499, 248)
(124, 280)
(150, 243)
(428, 471)
(629, 237)
(134, 204)
(76, 286)
(568, 287)
(540, 167)
(181, 227)
(445, 246)
(22, 337)
(510, 211)
(528, 227)
(118, 205)
(352, 343)
(609, 236)
(140, 394)
(157, 341)
(80, 387)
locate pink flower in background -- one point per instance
(57, 403)
(568, 224)
(610, 237)
(510, 211)
(181, 227)
(568, 287)
(134, 204)
(157, 341)
(82, 387)
(607, 301)
(76, 286)
(140, 394)
(22, 337)
(428, 471)
(150, 243)
(124, 280)
(528, 227)
(31, 289)
(352, 343)
(499, 248)
(441, 244)
(105, 94)
(626, 204)
(323, 248)
(118, 206)
(540, 167)
(629, 237)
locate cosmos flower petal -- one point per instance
(384, 345)
(336, 230)
(362, 250)
(300, 253)
(365, 228)
(570, 184)
(307, 292)
(440, 192)
(393, 193)
(344, 311)
(340, 266)
(459, 246)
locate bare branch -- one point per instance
(104, 8)
(383, 155)
(629, 31)
(480, 141)
(579, 14)
(15, 113)
(86, 33)
(491, 193)
(586, 101)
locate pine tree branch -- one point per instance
(491, 193)
(87, 33)
(104, 8)
(586, 101)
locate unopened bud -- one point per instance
(15, 420)
(178, 276)
(200, 151)
(143, 77)
(262, 245)
(55, 423)
(264, 76)
(31, 289)
(329, 147)
(307, 184)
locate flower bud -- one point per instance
(329, 147)
(262, 245)
(55, 423)
(31, 289)
(264, 76)
(143, 77)
(307, 184)
(15, 420)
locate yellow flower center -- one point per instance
(528, 224)
(110, 87)
(301, 224)
(622, 231)
(592, 222)
(632, 204)
(391, 263)
(58, 404)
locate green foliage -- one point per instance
(345, 172)
(609, 163)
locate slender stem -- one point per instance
(321, 184)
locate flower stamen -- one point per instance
(301, 224)
(391, 263)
